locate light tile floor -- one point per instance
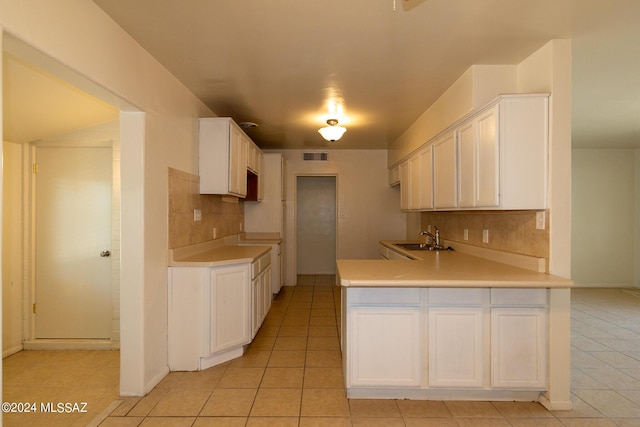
(291, 376)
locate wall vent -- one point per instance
(323, 157)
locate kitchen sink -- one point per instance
(420, 247)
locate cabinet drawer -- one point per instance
(255, 268)
(384, 296)
(518, 297)
(265, 261)
(260, 264)
(458, 297)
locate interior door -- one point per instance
(316, 224)
(73, 237)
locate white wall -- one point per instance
(12, 249)
(368, 209)
(549, 70)
(473, 89)
(77, 41)
(603, 218)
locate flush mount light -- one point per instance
(333, 132)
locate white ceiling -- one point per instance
(276, 63)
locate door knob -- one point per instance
(105, 254)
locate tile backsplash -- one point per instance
(225, 213)
(509, 231)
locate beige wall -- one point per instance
(159, 130)
(368, 209)
(473, 89)
(223, 213)
(603, 219)
(13, 279)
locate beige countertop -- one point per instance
(442, 269)
(259, 238)
(215, 254)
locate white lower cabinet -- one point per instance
(456, 347)
(229, 315)
(386, 350)
(215, 311)
(260, 292)
(434, 342)
(209, 315)
(519, 348)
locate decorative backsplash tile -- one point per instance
(509, 231)
(222, 212)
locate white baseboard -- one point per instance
(9, 351)
(70, 344)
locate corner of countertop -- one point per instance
(186, 251)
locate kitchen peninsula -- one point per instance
(449, 325)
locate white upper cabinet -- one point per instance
(425, 187)
(524, 151)
(416, 176)
(444, 172)
(495, 158)
(415, 183)
(478, 157)
(224, 157)
(405, 185)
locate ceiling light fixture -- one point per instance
(333, 132)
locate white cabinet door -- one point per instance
(260, 299)
(426, 178)
(256, 306)
(444, 172)
(466, 165)
(238, 163)
(478, 161)
(384, 346)
(265, 284)
(455, 347)
(519, 348)
(222, 157)
(405, 186)
(230, 305)
(259, 169)
(415, 183)
(487, 159)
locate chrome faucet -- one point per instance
(434, 238)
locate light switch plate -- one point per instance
(485, 236)
(466, 234)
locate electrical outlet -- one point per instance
(215, 232)
(197, 215)
(540, 220)
(485, 236)
(466, 234)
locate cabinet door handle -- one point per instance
(105, 254)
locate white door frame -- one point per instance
(31, 342)
(132, 267)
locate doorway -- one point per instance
(73, 195)
(316, 225)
